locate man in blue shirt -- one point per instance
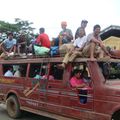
(8, 46)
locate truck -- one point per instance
(53, 96)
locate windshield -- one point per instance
(110, 70)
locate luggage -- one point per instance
(41, 50)
(54, 50)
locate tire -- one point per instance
(13, 107)
(116, 116)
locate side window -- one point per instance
(14, 70)
(85, 75)
(80, 81)
(56, 72)
(38, 70)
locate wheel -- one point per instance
(116, 116)
(13, 107)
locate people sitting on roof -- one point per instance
(21, 45)
(42, 46)
(76, 48)
(30, 49)
(43, 39)
(64, 37)
(94, 46)
(8, 46)
(83, 25)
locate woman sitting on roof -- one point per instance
(76, 49)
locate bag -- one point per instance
(41, 50)
(54, 50)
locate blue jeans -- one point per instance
(56, 41)
(83, 99)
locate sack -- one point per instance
(41, 50)
(54, 50)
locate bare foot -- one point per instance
(92, 59)
(61, 65)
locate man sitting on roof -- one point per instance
(83, 25)
(21, 44)
(94, 45)
(76, 49)
(43, 39)
(8, 46)
(64, 38)
(42, 46)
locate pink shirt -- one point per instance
(74, 81)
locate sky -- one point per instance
(50, 13)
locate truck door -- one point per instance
(32, 91)
(77, 102)
(54, 88)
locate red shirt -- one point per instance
(43, 40)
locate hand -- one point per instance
(71, 51)
(60, 37)
(78, 49)
(64, 34)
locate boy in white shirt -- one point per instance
(76, 49)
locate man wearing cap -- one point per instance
(83, 25)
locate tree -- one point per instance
(24, 26)
(20, 26)
(5, 27)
